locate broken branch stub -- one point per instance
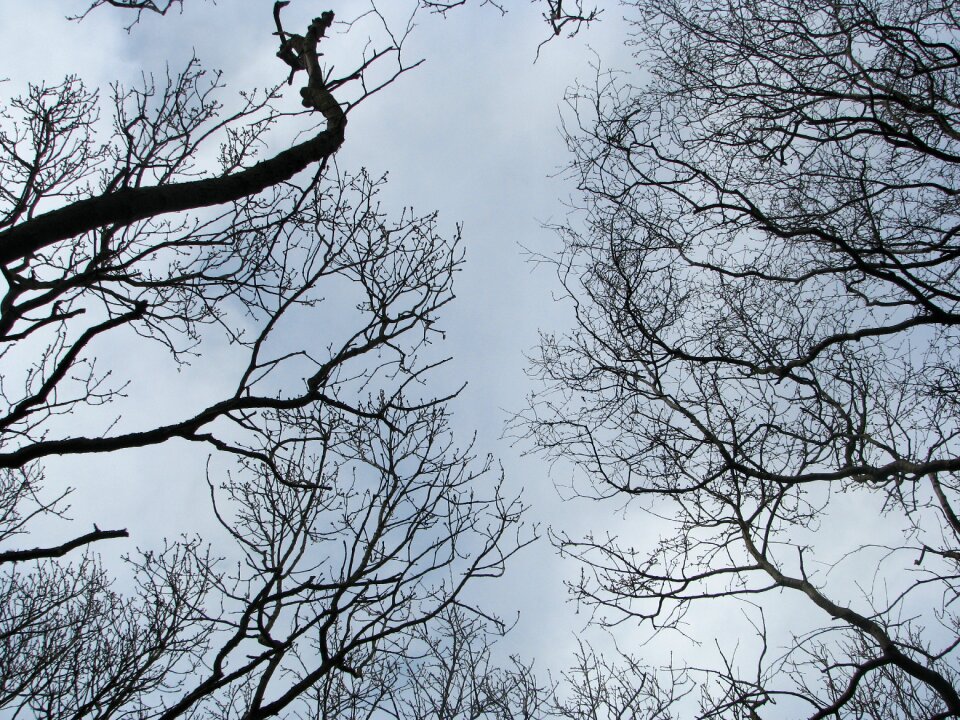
(300, 53)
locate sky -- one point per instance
(473, 133)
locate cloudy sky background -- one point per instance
(473, 133)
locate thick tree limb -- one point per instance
(186, 429)
(132, 204)
(61, 550)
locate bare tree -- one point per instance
(352, 520)
(765, 353)
(596, 686)
(570, 18)
(141, 6)
(448, 671)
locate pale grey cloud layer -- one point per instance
(472, 133)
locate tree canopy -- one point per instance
(346, 514)
(754, 404)
(765, 351)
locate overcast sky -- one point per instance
(472, 133)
